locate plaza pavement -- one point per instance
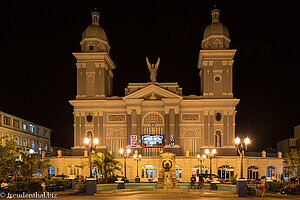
(130, 194)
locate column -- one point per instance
(176, 136)
(167, 128)
(102, 135)
(129, 124)
(139, 126)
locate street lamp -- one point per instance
(201, 159)
(241, 148)
(210, 155)
(125, 154)
(90, 143)
(137, 159)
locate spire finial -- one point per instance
(95, 17)
(215, 14)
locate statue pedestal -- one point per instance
(167, 176)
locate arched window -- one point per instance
(74, 170)
(153, 124)
(52, 170)
(148, 171)
(115, 140)
(16, 141)
(39, 146)
(225, 171)
(218, 137)
(32, 144)
(24, 143)
(196, 169)
(190, 141)
(252, 173)
(178, 171)
(271, 172)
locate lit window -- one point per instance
(24, 126)
(32, 144)
(39, 131)
(24, 143)
(39, 146)
(45, 147)
(46, 134)
(16, 141)
(31, 128)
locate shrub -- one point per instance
(33, 186)
(276, 186)
(232, 179)
(251, 191)
(81, 187)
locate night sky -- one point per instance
(38, 71)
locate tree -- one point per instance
(106, 165)
(292, 163)
(31, 164)
(8, 155)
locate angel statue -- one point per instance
(152, 69)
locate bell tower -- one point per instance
(216, 60)
(94, 65)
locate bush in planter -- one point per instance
(33, 186)
(276, 186)
(81, 187)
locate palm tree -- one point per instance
(106, 165)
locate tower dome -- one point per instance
(216, 35)
(94, 37)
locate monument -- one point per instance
(153, 69)
(167, 175)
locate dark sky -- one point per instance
(38, 74)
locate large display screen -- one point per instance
(152, 140)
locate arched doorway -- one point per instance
(148, 172)
(115, 140)
(74, 170)
(196, 170)
(225, 171)
(271, 172)
(252, 173)
(178, 173)
(152, 124)
(190, 141)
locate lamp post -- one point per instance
(210, 155)
(137, 159)
(241, 183)
(201, 159)
(90, 143)
(241, 148)
(125, 154)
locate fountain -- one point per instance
(167, 175)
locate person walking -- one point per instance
(263, 183)
(200, 182)
(193, 181)
(43, 185)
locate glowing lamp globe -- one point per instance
(247, 140)
(207, 151)
(214, 151)
(86, 140)
(237, 140)
(96, 141)
(121, 151)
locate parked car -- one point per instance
(60, 177)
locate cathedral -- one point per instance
(155, 117)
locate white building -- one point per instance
(26, 135)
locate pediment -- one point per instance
(152, 92)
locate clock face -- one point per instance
(218, 117)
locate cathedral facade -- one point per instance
(154, 117)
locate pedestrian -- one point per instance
(43, 185)
(263, 183)
(200, 181)
(193, 181)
